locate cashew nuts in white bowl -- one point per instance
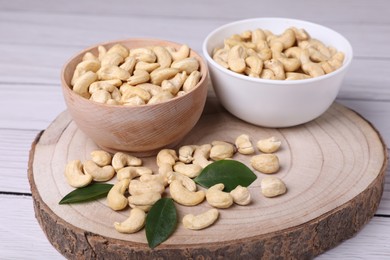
(268, 87)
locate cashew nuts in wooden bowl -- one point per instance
(135, 95)
(276, 72)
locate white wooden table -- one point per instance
(38, 36)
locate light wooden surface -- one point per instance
(38, 37)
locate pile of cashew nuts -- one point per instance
(139, 188)
(292, 55)
(139, 76)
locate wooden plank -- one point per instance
(22, 237)
(70, 29)
(14, 153)
(372, 242)
(331, 10)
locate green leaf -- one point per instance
(229, 172)
(91, 192)
(161, 221)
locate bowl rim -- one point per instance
(68, 88)
(214, 64)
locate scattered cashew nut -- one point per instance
(75, 175)
(104, 173)
(272, 186)
(217, 198)
(268, 145)
(265, 163)
(120, 160)
(221, 150)
(200, 221)
(244, 144)
(241, 195)
(183, 196)
(133, 223)
(115, 197)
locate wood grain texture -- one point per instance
(334, 168)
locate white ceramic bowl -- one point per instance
(275, 103)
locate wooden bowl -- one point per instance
(138, 129)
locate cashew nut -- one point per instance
(157, 76)
(108, 85)
(151, 88)
(139, 76)
(98, 78)
(188, 65)
(189, 170)
(221, 150)
(134, 101)
(75, 175)
(296, 76)
(146, 66)
(244, 144)
(137, 187)
(217, 198)
(201, 155)
(98, 173)
(161, 97)
(272, 186)
(135, 91)
(101, 52)
(115, 197)
(143, 54)
(174, 84)
(191, 81)
(200, 221)
(241, 195)
(183, 196)
(119, 49)
(300, 34)
(221, 57)
(101, 158)
(265, 163)
(163, 56)
(89, 56)
(292, 51)
(128, 65)
(162, 178)
(132, 172)
(309, 67)
(120, 160)
(236, 59)
(144, 201)
(186, 152)
(112, 72)
(269, 145)
(111, 59)
(166, 158)
(134, 223)
(287, 38)
(277, 68)
(258, 35)
(83, 67)
(267, 74)
(187, 182)
(255, 65)
(182, 53)
(82, 83)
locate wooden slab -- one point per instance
(334, 169)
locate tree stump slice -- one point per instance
(333, 167)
